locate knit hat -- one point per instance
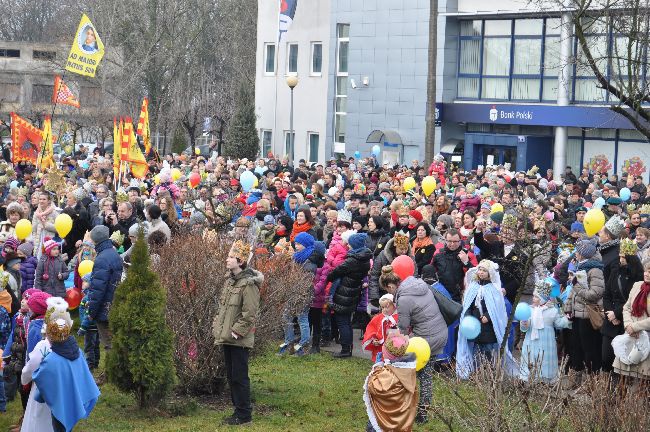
(577, 227)
(269, 220)
(615, 225)
(416, 215)
(357, 241)
(37, 302)
(27, 249)
(497, 217)
(387, 297)
(586, 248)
(12, 242)
(614, 201)
(305, 239)
(99, 234)
(49, 246)
(446, 220)
(345, 237)
(395, 346)
(28, 293)
(486, 205)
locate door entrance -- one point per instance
(498, 155)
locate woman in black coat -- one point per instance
(347, 291)
(376, 234)
(422, 246)
(617, 290)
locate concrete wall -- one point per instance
(388, 44)
(272, 95)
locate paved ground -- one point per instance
(357, 351)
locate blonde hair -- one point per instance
(383, 302)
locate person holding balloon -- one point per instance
(419, 316)
(483, 321)
(51, 271)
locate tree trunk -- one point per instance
(430, 131)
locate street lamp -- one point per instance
(292, 82)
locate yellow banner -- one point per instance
(87, 50)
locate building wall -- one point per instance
(272, 95)
(388, 44)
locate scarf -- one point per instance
(302, 256)
(608, 244)
(421, 243)
(641, 301)
(299, 228)
(537, 321)
(44, 213)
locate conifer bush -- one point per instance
(141, 359)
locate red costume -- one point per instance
(377, 329)
(437, 169)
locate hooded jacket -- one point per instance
(419, 314)
(107, 272)
(238, 309)
(27, 273)
(351, 272)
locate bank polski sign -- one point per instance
(510, 114)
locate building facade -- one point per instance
(362, 69)
(510, 91)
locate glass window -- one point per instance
(553, 26)
(587, 91)
(528, 56)
(549, 92)
(287, 141)
(314, 142)
(528, 27)
(343, 30)
(292, 62)
(552, 56)
(341, 104)
(341, 86)
(343, 57)
(470, 28)
(267, 137)
(316, 58)
(269, 63)
(496, 56)
(470, 56)
(494, 88)
(339, 129)
(11, 53)
(525, 89)
(43, 55)
(468, 88)
(498, 27)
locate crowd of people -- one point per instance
(487, 240)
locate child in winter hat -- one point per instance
(586, 249)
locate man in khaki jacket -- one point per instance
(234, 327)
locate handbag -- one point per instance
(449, 309)
(596, 316)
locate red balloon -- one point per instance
(588, 204)
(195, 179)
(73, 296)
(403, 266)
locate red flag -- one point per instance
(25, 140)
(62, 94)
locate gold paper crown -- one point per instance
(629, 247)
(645, 209)
(58, 329)
(509, 221)
(22, 191)
(401, 241)
(241, 250)
(630, 208)
(118, 238)
(533, 171)
(121, 196)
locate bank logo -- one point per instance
(494, 114)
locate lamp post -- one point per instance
(292, 82)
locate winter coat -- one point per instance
(617, 291)
(335, 256)
(610, 259)
(28, 273)
(471, 202)
(423, 256)
(52, 267)
(588, 289)
(451, 271)
(419, 313)
(107, 272)
(351, 272)
(641, 370)
(317, 259)
(386, 257)
(376, 240)
(238, 309)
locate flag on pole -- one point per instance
(25, 140)
(131, 153)
(87, 50)
(117, 146)
(143, 126)
(287, 12)
(46, 155)
(62, 94)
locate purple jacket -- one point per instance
(28, 273)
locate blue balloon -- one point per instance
(599, 203)
(625, 194)
(13, 184)
(247, 180)
(261, 170)
(470, 327)
(483, 189)
(376, 150)
(357, 154)
(523, 312)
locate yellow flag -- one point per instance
(136, 159)
(46, 155)
(87, 50)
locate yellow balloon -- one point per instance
(594, 221)
(420, 347)
(85, 267)
(409, 183)
(23, 229)
(496, 208)
(428, 185)
(63, 225)
(197, 151)
(156, 179)
(176, 174)
(256, 183)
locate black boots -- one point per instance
(346, 351)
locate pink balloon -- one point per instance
(403, 266)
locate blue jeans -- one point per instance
(344, 323)
(91, 348)
(303, 323)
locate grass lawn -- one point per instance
(313, 393)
